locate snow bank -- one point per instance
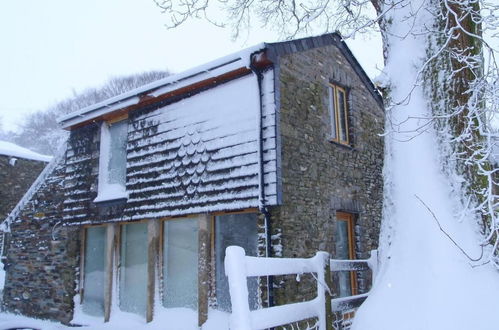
(13, 150)
(425, 281)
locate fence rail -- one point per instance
(238, 267)
(337, 265)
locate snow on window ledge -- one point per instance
(111, 192)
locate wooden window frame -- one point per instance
(161, 253)
(103, 173)
(350, 219)
(151, 257)
(213, 280)
(109, 265)
(155, 233)
(334, 112)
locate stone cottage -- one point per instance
(19, 168)
(274, 148)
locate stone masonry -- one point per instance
(15, 179)
(320, 177)
(42, 257)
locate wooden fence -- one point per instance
(238, 267)
(337, 265)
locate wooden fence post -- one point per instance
(152, 256)
(111, 231)
(204, 258)
(329, 313)
(235, 269)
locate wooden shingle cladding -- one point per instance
(197, 155)
(80, 184)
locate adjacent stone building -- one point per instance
(19, 167)
(275, 148)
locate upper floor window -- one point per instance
(112, 161)
(339, 114)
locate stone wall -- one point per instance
(320, 177)
(15, 179)
(42, 256)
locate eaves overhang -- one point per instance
(210, 74)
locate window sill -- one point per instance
(346, 146)
(111, 193)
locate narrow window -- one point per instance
(94, 270)
(180, 263)
(339, 114)
(241, 230)
(112, 161)
(345, 249)
(133, 269)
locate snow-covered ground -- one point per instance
(13, 150)
(174, 319)
(427, 279)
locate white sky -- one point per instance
(53, 48)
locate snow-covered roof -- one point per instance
(213, 70)
(13, 150)
(206, 71)
(198, 155)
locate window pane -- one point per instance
(93, 284)
(342, 116)
(133, 270)
(342, 252)
(241, 230)
(180, 263)
(332, 112)
(117, 155)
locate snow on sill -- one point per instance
(111, 192)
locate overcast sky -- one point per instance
(53, 48)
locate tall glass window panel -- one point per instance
(133, 269)
(241, 230)
(332, 112)
(94, 269)
(180, 263)
(112, 161)
(342, 115)
(344, 248)
(117, 156)
(339, 114)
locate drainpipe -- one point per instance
(262, 207)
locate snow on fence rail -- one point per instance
(238, 267)
(337, 265)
